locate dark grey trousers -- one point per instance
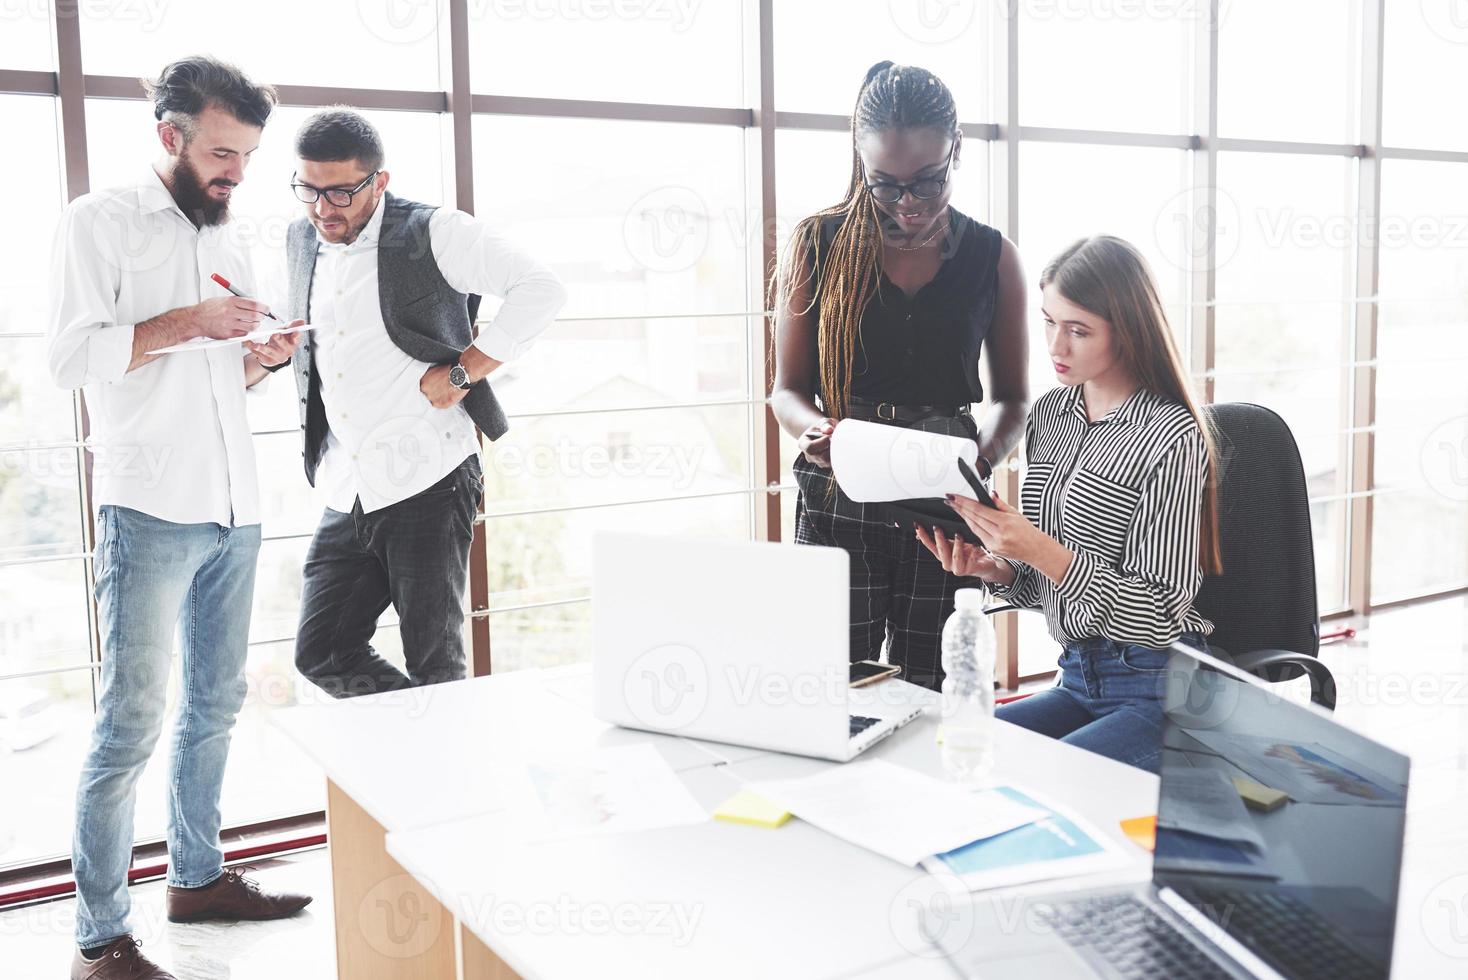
(413, 554)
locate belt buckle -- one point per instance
(890, 406)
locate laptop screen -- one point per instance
(1279, 825)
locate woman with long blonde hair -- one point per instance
(1118, 519)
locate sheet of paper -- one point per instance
(1058, 846)
(255, 336)
(895, 811)
(605, 791)
(874, 462)
(1204, 801)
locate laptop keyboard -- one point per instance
(1131, 938)
(860, 723)
(1289, 933)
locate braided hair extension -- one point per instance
(891, 97)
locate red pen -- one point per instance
(225, 283)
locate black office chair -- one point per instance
(1263, 607)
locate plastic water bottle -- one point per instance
(968, 690)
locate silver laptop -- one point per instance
(1307, 889)
(738, 642)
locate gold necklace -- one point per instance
(924, 243)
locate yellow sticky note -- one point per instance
(1142, 831)
(1258, 797)
(749, 808)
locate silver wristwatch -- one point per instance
(459, 378)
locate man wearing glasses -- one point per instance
(392, 384)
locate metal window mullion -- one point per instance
(1203, 278)
(1003, 58)
(459, 104)
(765, 429)
(72, 102)
(1363, 334)
(126, 88)
(521, 105)
(602, 505)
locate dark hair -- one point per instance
(188, 86)
(340, 133)
(891, 97)
(1109, 277)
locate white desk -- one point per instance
(420, 869)
(409, 759)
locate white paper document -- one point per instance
(604, 791)
(254, 336)
(874, 462)
(895, 811)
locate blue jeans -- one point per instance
(155, 578)
(1108, 700)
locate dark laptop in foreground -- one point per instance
(1305, 889)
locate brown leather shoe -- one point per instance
(120, 961)
(233, 897)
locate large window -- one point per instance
(619, 143)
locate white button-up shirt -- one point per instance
(170, 438)
(386, 442)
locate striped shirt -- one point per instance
(1125, 495)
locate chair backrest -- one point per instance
(1265, 599)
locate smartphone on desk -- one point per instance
(865, 672)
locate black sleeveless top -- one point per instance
(924, 349)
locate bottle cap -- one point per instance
(969, 599)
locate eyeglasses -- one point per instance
(337, 197)
(888, 192)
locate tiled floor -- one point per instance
(1403, 679)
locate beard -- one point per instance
(192, 196)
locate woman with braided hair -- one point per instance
(883, 305)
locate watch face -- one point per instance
(458, 377)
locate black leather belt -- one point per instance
(873, 411)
